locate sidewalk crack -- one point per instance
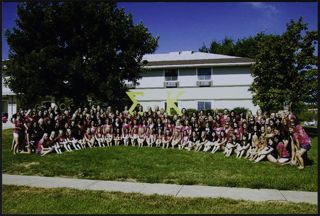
(179, 190)
(283, 195)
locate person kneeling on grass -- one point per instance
(302, 144)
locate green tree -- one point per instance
(68, 49)
(225, 47)
(281, 65)
(246, 47)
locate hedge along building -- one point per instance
(197, 80)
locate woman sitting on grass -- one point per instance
(134, 136)
(211, 142)
(242, 147)
(221, 142)
(176, 139)
(267, 148)
(108, 137)
(166, 139)
(99, 137)
(141, 137)
(151, 138)
(53, 140)
(43, 147)
(125, 137)
(252, 150)
(117, 137)
(159, 138)
(203, 141)
(193, 141)
(185, 140)
(72, 141)
(88, 138)
(230, 145)
(284, 155)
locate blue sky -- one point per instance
(186, 26)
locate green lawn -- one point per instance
(163, 166)
(29, 200)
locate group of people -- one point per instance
(276, 137)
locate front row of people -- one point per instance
(255, 148)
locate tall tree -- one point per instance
(281, 65)
(67, 49)
(245, 47)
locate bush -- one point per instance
(307, 115)
(207, 111)
(190, 111)
(239, 110)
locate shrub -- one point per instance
(190, 111)
(209, 111)
(239, 110)
(307, 115)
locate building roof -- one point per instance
(190, 58)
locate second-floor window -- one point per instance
(204, 73)
(171, 75)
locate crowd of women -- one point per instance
(277, 137)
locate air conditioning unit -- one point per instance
(205, 83)
(171, 84)
(130, 85)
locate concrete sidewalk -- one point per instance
(163, 189)
(7, 125)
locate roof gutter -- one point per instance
(199, 65)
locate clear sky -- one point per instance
(186, 26)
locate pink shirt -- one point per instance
(301, 135)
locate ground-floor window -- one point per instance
(204, 105)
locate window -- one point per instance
(204, 73)
(202, 105)
(171, 75)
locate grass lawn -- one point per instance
(162, 166)
(29, 200)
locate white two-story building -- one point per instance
(203, 80)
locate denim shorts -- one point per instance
(306, 146)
